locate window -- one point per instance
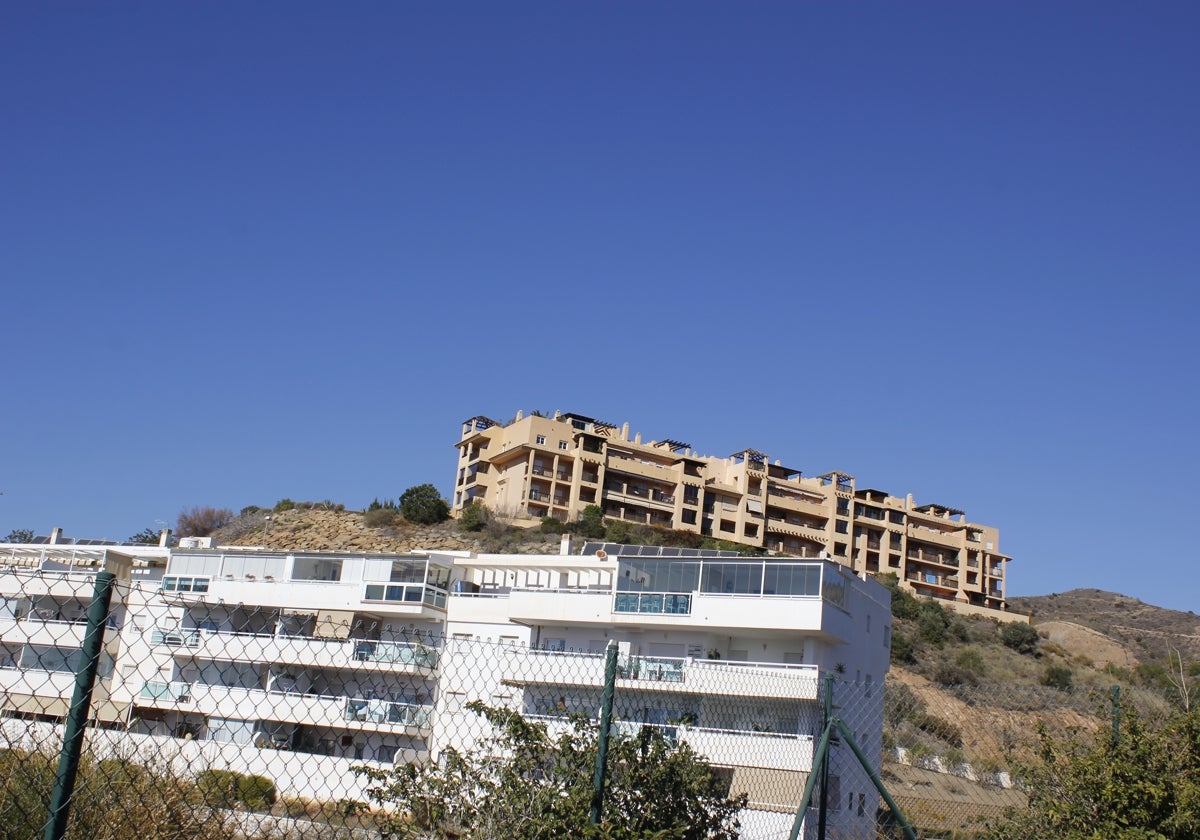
(541, 440)
(184, 584)
(562, 444)
(842, 526)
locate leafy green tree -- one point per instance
(591, 522)
(424, 505)
(524, 784)
(20, 535)
(1142, 785)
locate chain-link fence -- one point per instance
(156, 713)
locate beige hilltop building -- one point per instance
(537, 466)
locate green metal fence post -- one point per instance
(821, 814)
(81, 703)
(875, 780)
(606, 704)
(818, 757)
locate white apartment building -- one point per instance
(301, 665)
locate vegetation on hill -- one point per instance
(930, 640)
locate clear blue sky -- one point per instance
(266, 250)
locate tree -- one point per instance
(424, 505)
(1143, 784)
(591, 522)
(20, 535)
(202, 521)
(147, 536)
(524, 784)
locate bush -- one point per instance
(550, 525)
(202, 521)
(1019, 636)
(903, 649)
(971, 660)
(617, 531)
(932, 622)
(591, 522)
(474, 517)
(284, 504)
(1058, 676)
(228, 789)
(424, 505)
(1142, 785)
(524, 784)
(949, 675)
(379, 518)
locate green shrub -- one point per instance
(1058, 676)
(550, 525)
(1019, 636)
(971, 660)
(617, 531)
(474, 517)
(284, 504)
(379, 518)
(903, 649)
(948, 675)
(228, 789)
(591, 522)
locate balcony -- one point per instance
(291, 707)
(30, 630)
(661, 603)
(716, 677)
(932, 579)
(386, 711)
(305, 651)
(729, 747)
(792, 501)
(940, 557)
(168, 692)
(725, 747)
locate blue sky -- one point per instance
(255, 251)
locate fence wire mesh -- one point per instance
(251, 721)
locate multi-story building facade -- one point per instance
(46, 591)
(302, 665)
(537, 466)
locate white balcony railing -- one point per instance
(701, 676)
(295, 650)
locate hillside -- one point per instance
(324, 529)
(1146, 632)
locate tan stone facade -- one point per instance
(536, 466)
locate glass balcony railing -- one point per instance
(386, 711)
(368, 651)
(662, 603)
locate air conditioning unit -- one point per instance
(196, 542)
